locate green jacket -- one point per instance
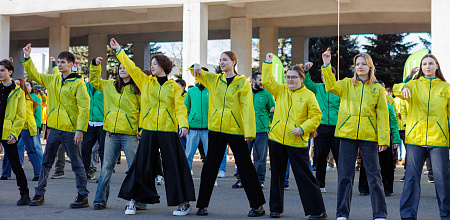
(393, 125)
(38, 110)
(196, 102)
(328, 102)
(96, 111)
(263, 102)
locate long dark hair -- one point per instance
(438, 71)
(120, 83)
(23, 86)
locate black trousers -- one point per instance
(324, 142)
(387, 166)
(216, 146)
(13, 157)
(139, 184)
(92, 135)
(307, 185)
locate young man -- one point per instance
(12, 120)
(68, 107)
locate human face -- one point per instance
(17, 82)
(226, 64)
(429, 67)
(257, 83)
(361, 68)
(64, 66)
(5, 74)
(155, 67)
(293, 80)
(28, 86)
(123, 73)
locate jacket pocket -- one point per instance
(234, 117)
(374, 129)
(146, 114)
(170, 116)
(212, 116)
(344, 122)
(7, 128)
(412, 128)
(192, 118)
(129, 121)
(441, 130)
(273, 126)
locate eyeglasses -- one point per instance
(291, 77)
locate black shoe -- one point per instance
(363, 194)
(24, 200)
(322, 215)
(314, 168)
(36, 178)
(387, 194)
(99, 207)
(430, 179)
(37, 200)
(286, 186)
(3, 178)
(235, 174)
(237, 185)
(80, 202)
(275, 215)
(402, 179)
(256, 212)
(202, 211)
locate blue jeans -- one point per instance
(37, 143)
(65, 139)
(260, 147)
(193, 138)
(25, 142)
(346, 174)
(223, 165)
(409, 202)
(113, 144)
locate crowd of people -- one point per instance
(159, 126)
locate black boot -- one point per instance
(37, 200)
(24, 200)
(80, 202)
(256, 212)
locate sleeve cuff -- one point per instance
(326, 65)
(267, 62)
(26, 59)
(117, 53)
(302, 130)
(93, 62)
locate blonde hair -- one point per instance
(369, 62)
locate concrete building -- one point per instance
(58, 24)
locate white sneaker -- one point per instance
(215, 184)
(329, 169)
(183, 209)
(130, 209)
(380, 219)
(425, 172)
(341, 218)
(192, 173)
(159, 180)
(221, 174)
(323, 190)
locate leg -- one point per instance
(440, 161)
(61, 161)
(346, 175)
(363, 185)
(387, 169)
(53, 143)
(76, 161)
(260, 155)
(278, 164)
(223, 164)
(89, 139)
(6, 171)
(322, 144)
(11, 151)
(38, 144)
(192, 140)
(36, 161)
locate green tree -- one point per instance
(81, 53)
(284, 51)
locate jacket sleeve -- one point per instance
(397, 89)
(404, 111)
(309, 84)
(136, 74)
(187, 101)
(248, 110)
(41, 79)
(382, 119)
(270, 106)
(20, 118)
(83, 103)
(94, 77)
(180, 108)
(268, 81)
(206, 79)
(31, 122)
(393, 125)
(331, 85)
(314, 116)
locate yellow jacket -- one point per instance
(428, 111)
(162, 107)
(68, 103)
(30, 123)
(293, 109)
(363, 113)
(399, 105)
(390, 100)
(231, 108)
(122, 109)
(15, 114)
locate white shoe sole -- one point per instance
(178, 213)
(130, 212)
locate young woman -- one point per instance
(363, 122)
(121, 121)
(426, 133)
(231, 120)
(162, 110)
(297, 116)
(37, 116)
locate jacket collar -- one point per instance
(71, 77)
(434, 81)
(224, 79)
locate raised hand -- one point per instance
(98, 60)
(326, 57)
(27, 51)
(77, 62)
(406, 93)
(11, 59)
(269, 57)
(413, 71)
(52, 59)
(307, 66)
(197, 70)
(114, 44)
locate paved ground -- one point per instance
(226, 203)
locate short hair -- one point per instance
(7, 64)
(181, 81)
(68, 56)
(205, 69)
(255, 75)
(164, 62)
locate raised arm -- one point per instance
(204, 77)
(95, 74)
(331, 85)
(33, 74)
(267, 79)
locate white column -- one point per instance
(141, 57)
(195, 37)
(59, 38)
(268, 43)
(299, 50)
(440, 33)
(4, 36)
(97, 48)
(17, 55)
(241, 44)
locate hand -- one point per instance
(11, 59)
(77, 62)
(307, 66)
(27, 51)
(78, 138)
(98, 60)
(382, 148)
(297, 131)
(137, 136)
(272, 109)
(183, 132)
(269, 57)
(114, 44)
(197, 70)
(395, 146)
(248, 139)
(12, 140)
(406, 93)
(52, 59)
(413, 71)
(326, 57)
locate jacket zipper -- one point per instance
(159, 105)
(57, 118)
(360, 105)
(428, 113)
(285, 124)
(117, 115)
(201, 106)
(223, 109)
